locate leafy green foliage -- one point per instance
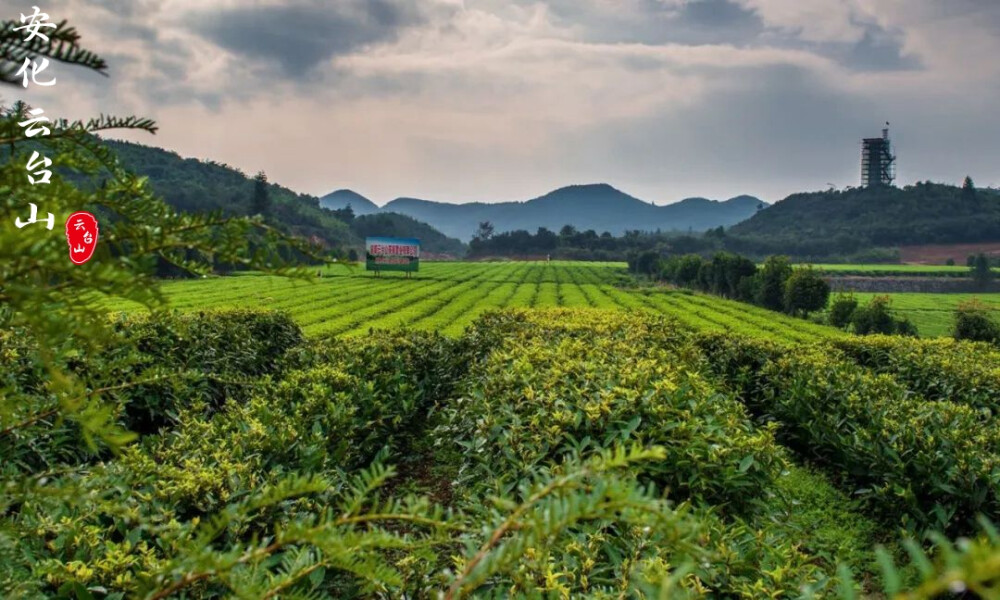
(63, 45)
(925, 464)
(587, 453)
(805, 292)
(967, 567)
(974, 322)
(939, 369)
(771, 280)
(276, 491)
(842, 310)
(523, 403)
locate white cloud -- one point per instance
(490, 99)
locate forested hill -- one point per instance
(193, 185)
(835, 222)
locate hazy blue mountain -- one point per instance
(341, 198)
(599, 207)
(192, 185)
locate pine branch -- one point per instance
(63, 46)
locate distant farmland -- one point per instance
(447, 297)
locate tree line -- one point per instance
(774, 285)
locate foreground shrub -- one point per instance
(307, 436)
(546, 392)
(187, 359)
(598, 456)
(411, 366)
(151, 369)
(962, 568)
(934, 369)
(735, 362)
(927, 465)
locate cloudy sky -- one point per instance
(488, 100)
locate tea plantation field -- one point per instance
(933, 314)
(447, 297)
(564, 453)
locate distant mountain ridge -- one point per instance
(343, 198)
(193, 185)
(600, 207)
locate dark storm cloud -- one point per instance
(299, 36)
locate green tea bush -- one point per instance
(935, 369)
(175, 362)
(317, 423)
(926, 464)
(411, 365)
(546, 391)
(495, 328)
(187, 359)
(735, 362)
(150, 370)
(548, 385)
(596, 454)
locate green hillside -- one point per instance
(838, 222)
(193, 185)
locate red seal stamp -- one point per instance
(81, 234)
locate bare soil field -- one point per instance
(938, 254)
